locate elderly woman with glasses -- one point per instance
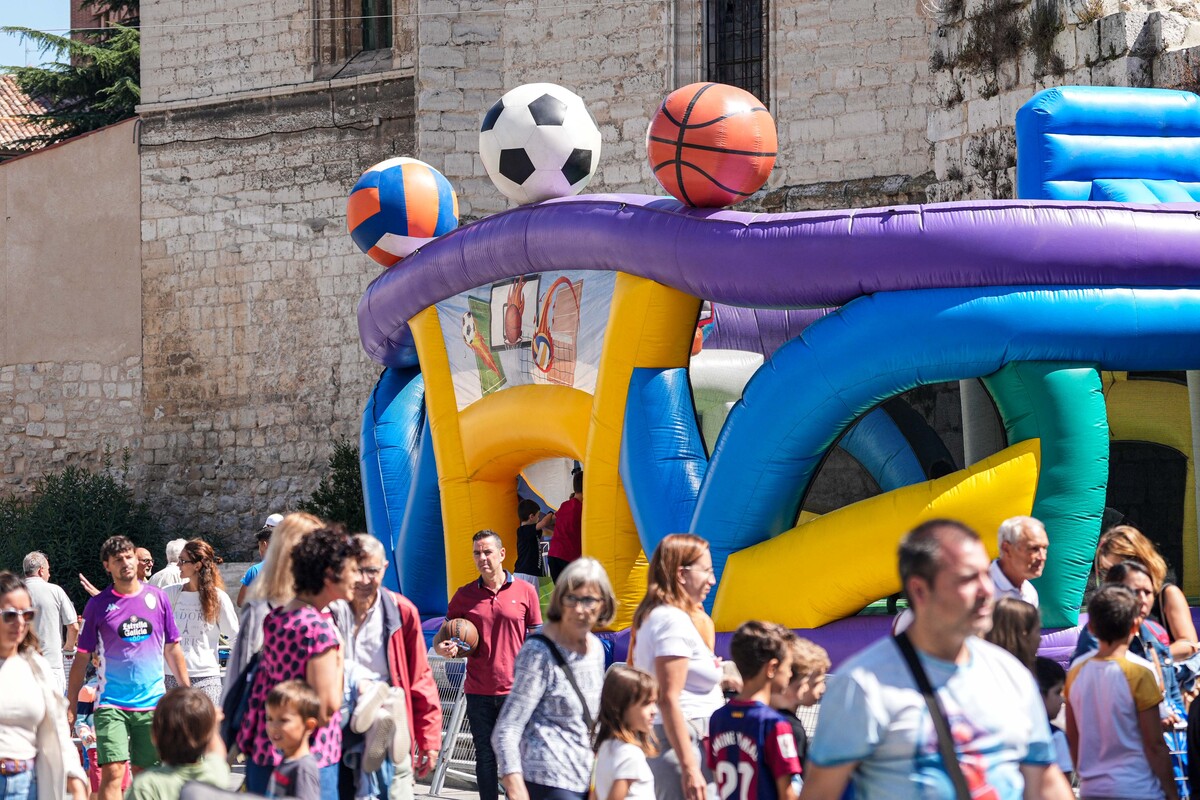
(543, 738)
(37, 759)
(673, 640)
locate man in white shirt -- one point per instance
(170, 575)
(1023, 547)
(54, 614)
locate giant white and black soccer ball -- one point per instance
(538, 142)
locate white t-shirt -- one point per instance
(873, 714)
(22, 709)
(199, 639)
(669, 632)
(1105, 695)
(617, 760)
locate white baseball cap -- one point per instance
(272, 521)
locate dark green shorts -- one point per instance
(125, 736)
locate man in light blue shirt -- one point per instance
(875, 728)
(263, 537)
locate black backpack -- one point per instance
(237, 701)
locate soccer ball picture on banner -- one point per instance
(539, 142)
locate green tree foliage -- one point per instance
(92, 83)
(68, 516)
(339, 497)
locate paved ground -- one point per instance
(453, 790)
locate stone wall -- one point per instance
(70, 310)
(988, 57)
(617, 57)
(65, 413)
(849, 82)
(253, 367)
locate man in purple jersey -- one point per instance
(132, 628)
(751, 750)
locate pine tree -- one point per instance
(92, 83)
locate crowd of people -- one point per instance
(328, 691)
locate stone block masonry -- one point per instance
(64, 413)
(616, 56)
(253, 367)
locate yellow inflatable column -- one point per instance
(481, 450)
(1159, 412)
(650, 325)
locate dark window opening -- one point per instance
(376, 24)
(736, 44)
(1146, 486)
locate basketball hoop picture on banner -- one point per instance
(557, 330)
(541, 328)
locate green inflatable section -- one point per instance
(1063, 405)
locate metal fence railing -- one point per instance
(457, 757)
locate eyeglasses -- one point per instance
(146, 562)
(701, 570)
(586, 602)
(183, 561)
(371, 572)
(11, 615)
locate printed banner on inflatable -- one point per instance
(542, 328)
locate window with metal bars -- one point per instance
(345, 28)
(736, 44)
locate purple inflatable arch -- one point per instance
(807, 260)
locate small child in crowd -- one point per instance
(623, 736)
(1113, 723)
(292, 715)
(189, 745)
(751, 750)
(810, 663)
(529, 555)
(1051, 678)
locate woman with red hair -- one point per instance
(673, 640)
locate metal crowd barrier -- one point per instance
(457, 756)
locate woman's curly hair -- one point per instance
(322, 554)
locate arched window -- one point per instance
(736, 44)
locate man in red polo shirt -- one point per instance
(504, 611)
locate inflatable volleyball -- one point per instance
(711, 145)
(397, 206)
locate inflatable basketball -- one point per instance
(711, 145)
(397, 206)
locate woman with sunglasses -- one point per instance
(673, 640)
(37, 759)
(543, 738)
(1170, 608)
(1148, 643)
(203, 613)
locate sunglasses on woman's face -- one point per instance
(11, 615)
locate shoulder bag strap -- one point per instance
(1162, 611)
(566, 668)
(940, 723)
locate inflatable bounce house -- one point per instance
(701, 363)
